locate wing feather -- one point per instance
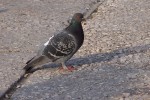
(60, 45)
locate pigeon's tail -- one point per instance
(29, 65)
(28, 68)
(35, 61)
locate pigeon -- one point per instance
(61, 46)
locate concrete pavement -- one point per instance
(113, 63)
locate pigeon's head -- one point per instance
(78, 17)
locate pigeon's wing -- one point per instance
(60, 45)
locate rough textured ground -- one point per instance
(113, 63)
(26, 24)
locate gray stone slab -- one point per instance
(26, 24)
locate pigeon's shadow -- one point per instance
(94, 58)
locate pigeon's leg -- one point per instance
(69, 68)
(64, 66)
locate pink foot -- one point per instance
(69, 68)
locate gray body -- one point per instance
(60, 47)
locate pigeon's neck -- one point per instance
(75, 27)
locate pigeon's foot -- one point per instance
(68, 68)
(71, 68)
